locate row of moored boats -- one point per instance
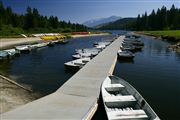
(9, 53)
(83, 56)
(129, 46)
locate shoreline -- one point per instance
(13, 96)
(175, 46)
(11, 42)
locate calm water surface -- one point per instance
(155, 72)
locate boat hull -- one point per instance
(71, 68)
(138, 107)
(125, 57)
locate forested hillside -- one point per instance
(124, 23)
(32, 22)
(162, 19)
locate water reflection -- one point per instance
(155, 74)
(130, 61)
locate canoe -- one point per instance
(123, 102)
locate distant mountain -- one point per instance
(96, 22)
(124, 23)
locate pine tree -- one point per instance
(28, 19)
(138, 22)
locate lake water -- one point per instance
(155, 72)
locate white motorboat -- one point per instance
(77, 64)
(92, 51)
(23, 48)
(39, 45)
(82, 55)
(106, 43)
(101, 46)
(12, 52)
(3, 55)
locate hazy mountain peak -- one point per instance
(98, 21)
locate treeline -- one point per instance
(162, 19)
(33, 22)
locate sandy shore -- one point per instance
(12, 96)
(10, 42)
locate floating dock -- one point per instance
(77, 98)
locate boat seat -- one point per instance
(128, 115)
(114, 87)
(120, 101)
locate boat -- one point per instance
(135, 47)
(138, 43)
(106, 43)
(125, 54)
(34, 46)
(128, 48)
(134, 42)
(82, 55)
(40, 45)
(51, 44)
(136, 36)
(76, 64)
(92, 51)
(63, 41)
(12, 52)
(4, 55)
(23, 48)
(100, 47)
(123, 102)
(138, 48)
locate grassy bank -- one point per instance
(171, 35)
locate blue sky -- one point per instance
(82, 10)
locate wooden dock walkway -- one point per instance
(77, 98)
